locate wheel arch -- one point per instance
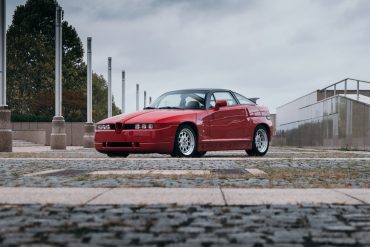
(267, 127)
(193, 125)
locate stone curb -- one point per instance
(181, 196)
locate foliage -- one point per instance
(30, 66)
(100, 99)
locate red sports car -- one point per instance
(188, 123)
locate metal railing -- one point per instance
(345, 82)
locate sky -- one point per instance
(274, 50)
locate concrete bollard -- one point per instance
(89, 135)
(58, 138)
(6, 134)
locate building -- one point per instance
(337, 116)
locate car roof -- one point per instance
(206, 90)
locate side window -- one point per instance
(243, 100)
(170, 100)
(225, 96)
(191, 100)
(212, 102)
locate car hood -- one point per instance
(147, 116)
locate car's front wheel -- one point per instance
(117, 154)
(185, 142)
(260, 142)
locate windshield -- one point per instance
(180, 100)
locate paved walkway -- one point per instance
(188, 225)
(290, 197)
(181, 196)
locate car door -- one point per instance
(227, 125)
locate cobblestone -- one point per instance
(284, 172)
(264, 225)
(192, 225)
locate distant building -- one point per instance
(337, 116)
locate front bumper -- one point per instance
(136, 141)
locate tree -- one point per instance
(100, 99)
(31, 64)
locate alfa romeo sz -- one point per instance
(188, 123)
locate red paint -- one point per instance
(225, 128)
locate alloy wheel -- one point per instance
(261, 140)
(186, 141)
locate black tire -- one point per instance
(196, 155)
(261, 142)
(185, 142)
(117, 154)
(200, 154)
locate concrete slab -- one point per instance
(42, 149)
(235, 196)
(152, 172)
(361, 194)
(27, 195)
(256, 172)
(181, 196)
(43, 172)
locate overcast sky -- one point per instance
(275, 50)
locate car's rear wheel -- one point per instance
(185, 142)
(260, 142)
(117, 154)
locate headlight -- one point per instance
(103, 127)
(144, 126)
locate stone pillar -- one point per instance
(89, 135)
(58, 137)
(6, 135)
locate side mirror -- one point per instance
(220, 103)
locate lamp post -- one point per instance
(89, 128)
(123, 91)
(109, 87)
(58, 136)
(144, 98)
(6, 135)
(137, 97)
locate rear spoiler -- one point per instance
(254, 100)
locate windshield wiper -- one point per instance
(149, 107)
(170, 107)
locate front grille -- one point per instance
(118, 126)
(119, 144)
(129, 126)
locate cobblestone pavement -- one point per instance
(163, 225)
(191, 225)
(285, 168)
